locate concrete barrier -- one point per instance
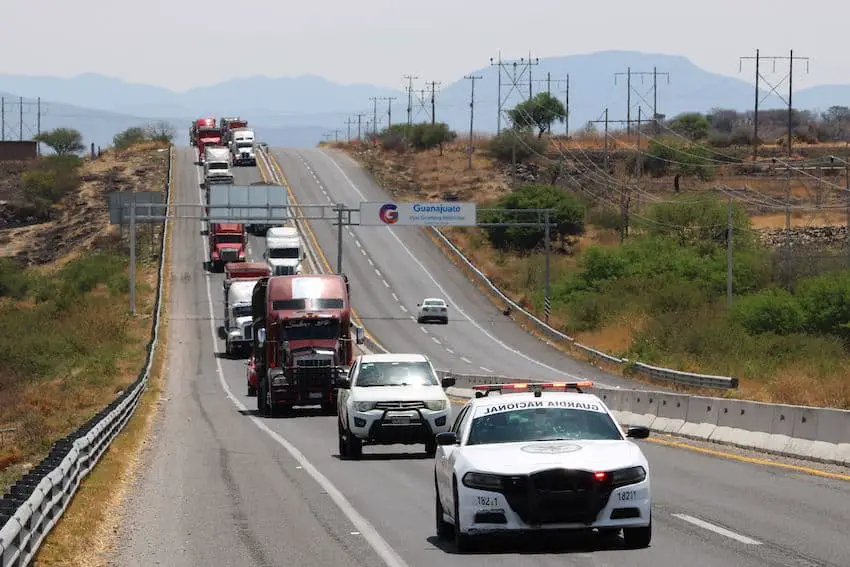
(817, 434)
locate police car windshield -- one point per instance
(541, 420)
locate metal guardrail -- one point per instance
(654, 372)
(36, 502)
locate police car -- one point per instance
(540, 457)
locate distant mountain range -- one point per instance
(296, 111)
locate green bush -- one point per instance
(526, 145)
(825, 301)
(424, 136)
(130, 137)
(669, 155)
(698, 221)
(769, 311)
(568, 216)
(395, 138)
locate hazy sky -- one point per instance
(184, 43)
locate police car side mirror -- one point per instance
(447, 438)
(637, 432)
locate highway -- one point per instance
(222, 486)
(393, 269)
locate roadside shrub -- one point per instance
(424, 136)
(130, 137)
(698, 221)
(672, 156)
(14, 281)
(395, 138)
(523, 142)
(825, 301)
(772, 310)
(720, 139)
(51, 178)
(605, 217)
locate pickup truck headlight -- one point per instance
(436, 405)
(364, 406)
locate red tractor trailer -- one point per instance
(198, 125)
(302, 340)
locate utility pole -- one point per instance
(337, 132)
(38, 127)
(607, 122)
(348, 123)
(21, 124)
(629, 74)
(433, 101)
(756, 105)
(729, 254)
(472, 78)
(374, 100)
(389, 100)
(410, 79)
(547, 298)
(3, 118)
(133, 256)
(791, 58)
(567, 107)
(360, 116)
(519, 69)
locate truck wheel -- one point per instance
(431, 447)
(261, 400)
(252, 391)
(329, 409)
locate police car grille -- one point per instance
(557, 496)
(399, 405)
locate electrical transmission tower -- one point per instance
(348, 123)
(791, 58)
(629, 74)
(20, 118)
(409, 89)
(389, 100)
(516, 72)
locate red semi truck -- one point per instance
(208, 136)
(197, 125)
(302, 340)
(228, 243)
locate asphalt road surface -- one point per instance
(225, 487)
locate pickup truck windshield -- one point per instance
(395, 374)
(304, 329)
(283, 253)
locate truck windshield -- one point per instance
(304, 329)
(242, 311)
(283, 253)
(218, 165)
(229, 239)
(244, 144)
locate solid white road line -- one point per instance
(446, 295)
(368, 531)
(717, 529)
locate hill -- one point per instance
(295, 111)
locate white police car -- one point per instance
(391, 398)
(539, 457)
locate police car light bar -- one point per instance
(484, 389)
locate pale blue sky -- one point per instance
(376, 41)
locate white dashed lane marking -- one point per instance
(466, 360)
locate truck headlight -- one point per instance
(235, 333)
(436, 405)
(364, 406)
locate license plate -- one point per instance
(315, 395)
(400, 420)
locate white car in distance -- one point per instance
(391, 399)
(538, 458)
(433, 309)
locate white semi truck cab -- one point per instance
(242, 147)
(284, 251)
(217, 166)
(238, 320)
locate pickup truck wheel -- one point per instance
(329, 409)
(343, 445)
(355, 446)
(431, 447)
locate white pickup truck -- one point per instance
(242, 147)
(217, 166)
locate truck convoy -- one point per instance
(242, 147)
(217, 166)
(284, 251)
(302, 340)
(228, 243)
(239, 281)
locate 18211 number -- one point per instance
(487, 501)
(627, 495)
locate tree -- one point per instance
(161, 132)
(130, 137)
(63, 141)
(692, 125)
(836, 122)
(699, 221)
(538, 112)
(568, 217)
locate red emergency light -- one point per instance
(483, 390)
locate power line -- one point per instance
(629, 74)
(791, 58)
(519, 69)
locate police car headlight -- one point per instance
(482, 481)
(364, 406)
(436, 405)
(631, 475)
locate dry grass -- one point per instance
(88, 530)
